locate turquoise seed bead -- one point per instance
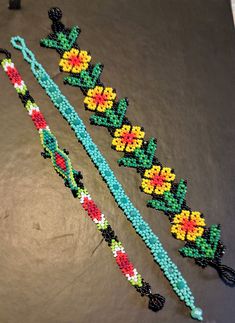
(123, 200)
(107, 173)
(180, 284)
(58, 101)
(133, 214)
(196, 313)
(68, 111)
(152, 240)
(44, 78)
(160, 255)
(52, 89)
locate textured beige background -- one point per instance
(175, 62)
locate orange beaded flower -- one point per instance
(100, 98)
(157, 180)
(75, 61)
(188, 225)
(128, 138)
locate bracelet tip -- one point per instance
(196, 314)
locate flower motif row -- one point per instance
(156, 180)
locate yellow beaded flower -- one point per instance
(75, 61)
(188, 225)
(100, 98)
(157, 180)
(128, 138)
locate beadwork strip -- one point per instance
(160, 256)
(72, 179)
(202, 243)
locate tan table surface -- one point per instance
(175, 61)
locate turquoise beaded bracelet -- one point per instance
(160, 256)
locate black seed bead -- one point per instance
(55, 14)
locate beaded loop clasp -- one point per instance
(19, 43)
(227, 274)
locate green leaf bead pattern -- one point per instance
(142, 157)
(204, 248)
(112, 117)
(63, 40)
(171, 201)
(86, 79)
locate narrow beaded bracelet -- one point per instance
(72, 179)
(160, 256)
(202, 243)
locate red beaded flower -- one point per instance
(157, 179)
(188, 225)
(128, 138)
(100, 98)
(75, 61)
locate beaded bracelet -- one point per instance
(203, 243)
(72, 179)
(160, 256)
